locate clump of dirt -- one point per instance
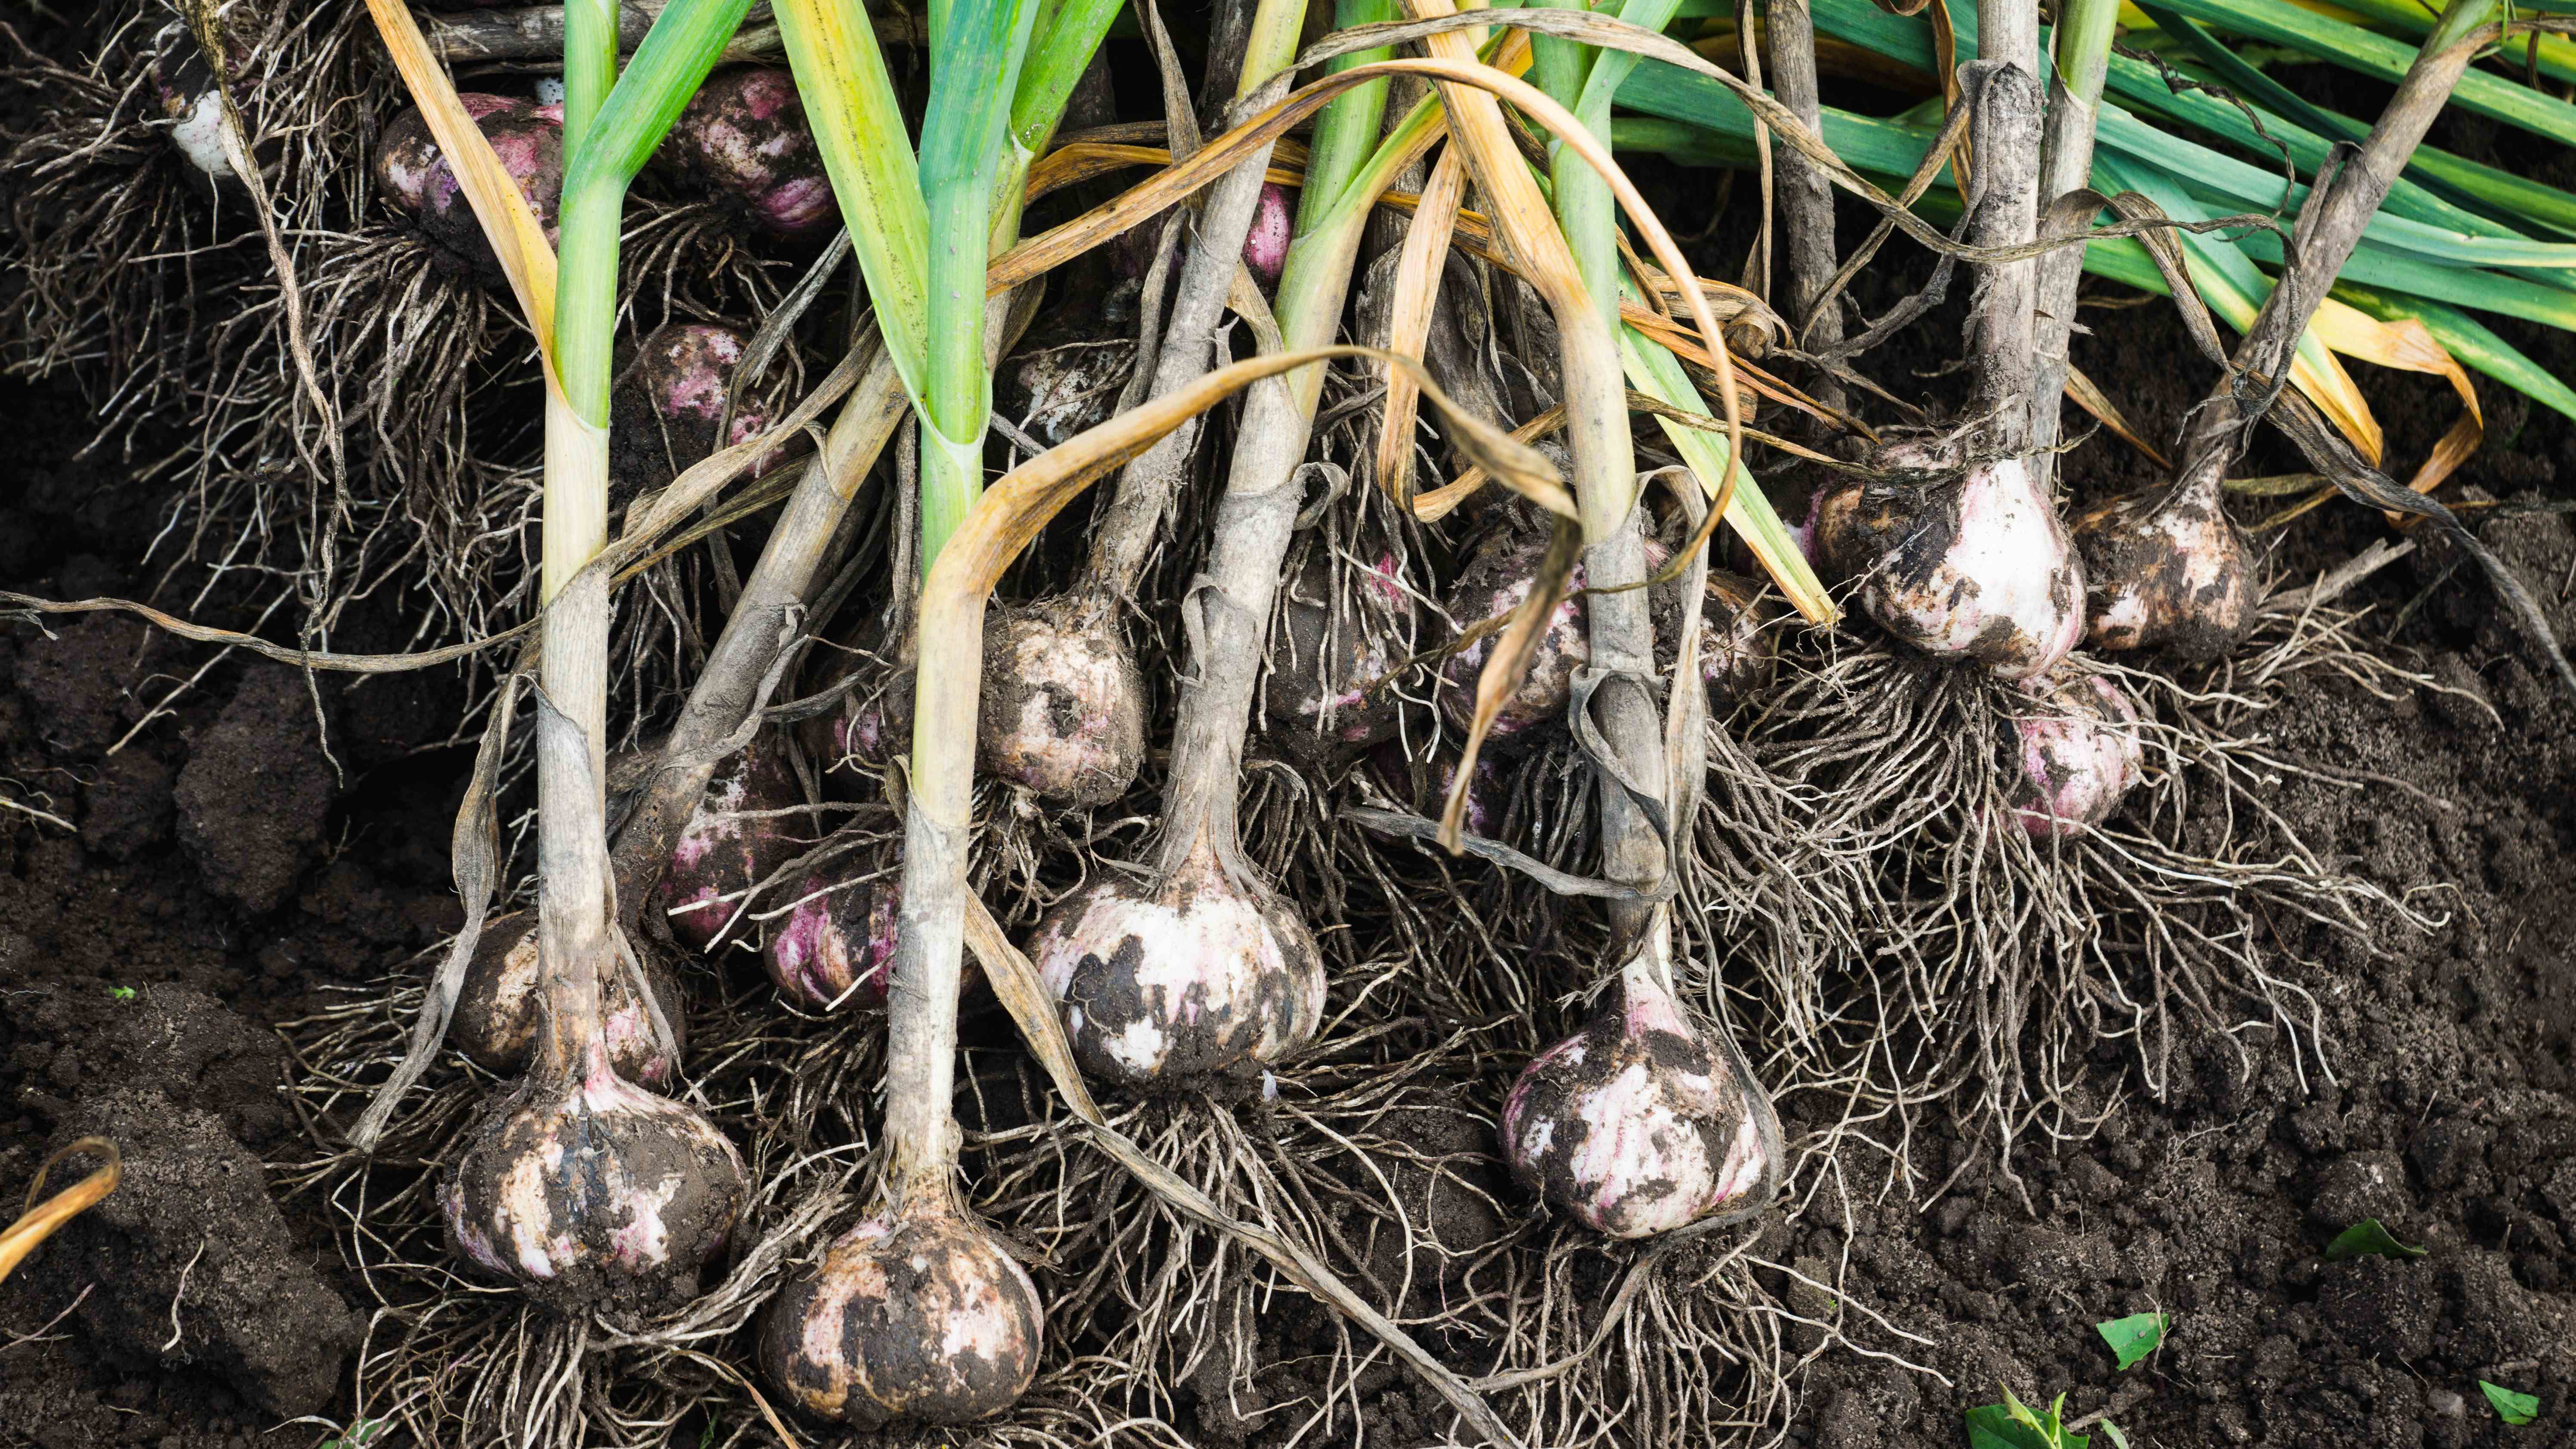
(256, 791)
(189, 1262)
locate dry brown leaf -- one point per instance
(1417, 290)
(1509, 664)
(2095, 401)
(41, 1221)
(508, 224)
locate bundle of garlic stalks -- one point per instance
(1193, 835)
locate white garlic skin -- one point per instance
(500, 1010)
(1190, 977)
(2079, 751)
(1634, 1126)
(1966, 563)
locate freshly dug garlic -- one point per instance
(1320, 665)
(1963, 561)
(1183, 978)
(834, 944)
(2168, 569)
(667, 401)
(914, 1314)
(591, 1191)
(744, 134)
(1494, 582)
(415, 176)
(1735, 651)
(1637, 1125)
(500, 1011)
(731, 843)
(1265, 246)
(1064, 704)
(2079, 753)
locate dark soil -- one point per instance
(220, 873)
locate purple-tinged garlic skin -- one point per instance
(666, 404)
(914, 1316)
(1495, 581)
(1633, 1125)
(835, 945)
(415, 177)
(1265, 246)
(2080, 753)
(1195, 976)
(1316, 695)
(1064, 704)
(745, 135)
(1968, 563)
(500, 1010)
(590, 1191)
(1736, 652)
(2175, 574)
(721, 854)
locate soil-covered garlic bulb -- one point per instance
(1494, 582)
(913, 1315)
(744, 134)
(1637, 1124)
(1735, 650)
(833, 944)
(500, 1011)
(667, 403)
(1064, 704)
(1328, 645)
(2079, 750)
(2167, 569)
(733, 842)
(1199, 974)
(416, 178)
(592, 1192)
(1963, 561)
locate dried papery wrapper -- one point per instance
(2168, 569)
(1063, 710)
(1644, 1122)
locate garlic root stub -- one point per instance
(500, 1010)
(912, 1315)
(2170, 572)
(2079, 751)
(1064, 704)
(1967, 563)
(591, 1191)
(1635, 1125)
(1185, 978)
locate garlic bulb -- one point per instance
(500, 1010)
(2079, 753)
(2168, 569)
(1961, 562)
(1064, 704)
(914, 1314)
(1637, 1125)
(1185, 978)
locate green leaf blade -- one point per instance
(2134, 1337)
(2368, 1239)
(2512, 1406)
